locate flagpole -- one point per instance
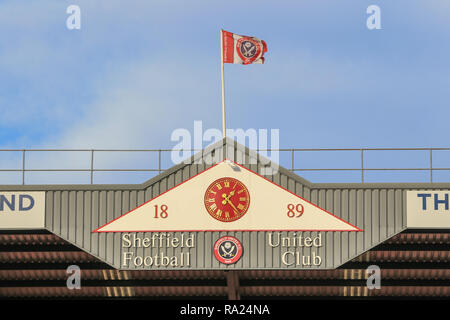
(223, 86)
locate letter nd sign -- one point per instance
(22, 210)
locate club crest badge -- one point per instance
(228, 250)
(227, 199)
(248, 49)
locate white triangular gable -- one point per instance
(186, 211)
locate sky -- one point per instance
(138, 70)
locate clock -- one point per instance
(227, 199)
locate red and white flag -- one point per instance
(242, 49)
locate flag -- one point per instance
(242, 49)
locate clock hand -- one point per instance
(232, 205)
(224, 196)
(227, 198)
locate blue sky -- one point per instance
(137, 70)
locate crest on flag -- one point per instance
(242, 49)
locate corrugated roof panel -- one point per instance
(291, 291)
(118, 275)
(345, 274)
(292, 274)
(411, 291)
(47, 274)
(31, 239)
(180, 291)
(45, 292)
(420, 238)
(403, 256)
(187, 274)
(46, 257)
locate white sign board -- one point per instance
(22, 210)
(428, 209)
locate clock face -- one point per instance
(227, 199)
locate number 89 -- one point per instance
(299, 209)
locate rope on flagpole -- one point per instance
(223, 86)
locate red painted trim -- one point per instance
(237, 230)
(97, 230)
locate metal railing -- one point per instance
(363, 169)
(158, 169)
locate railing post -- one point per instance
(92, 166)
(23, 167)
(362, 166)
(292, 160)
(431, 165)
(159, 161)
